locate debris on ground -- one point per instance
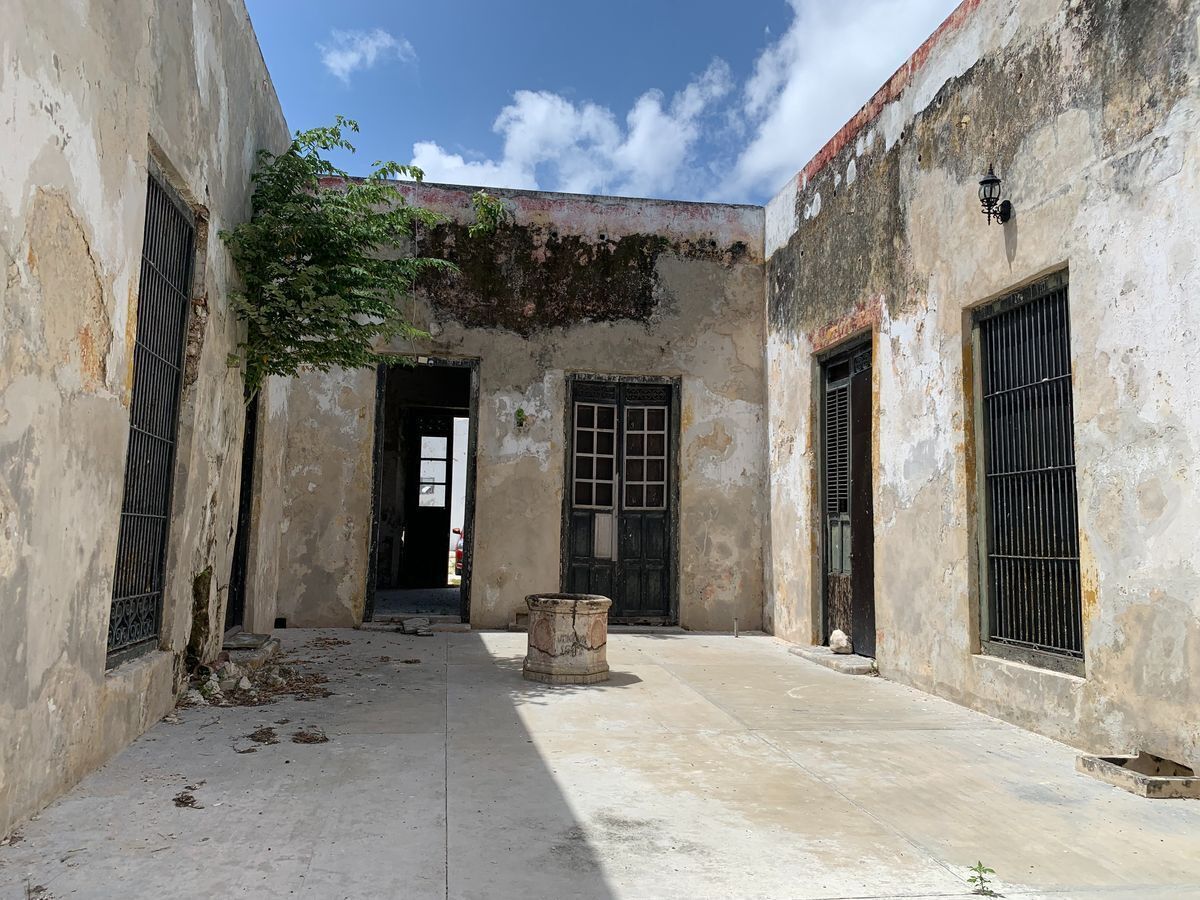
(385, 659)
(210, 690)
(15, 838)
(224, 684)
(326, 642)
(171, 719)
(411, 662)
(264, 735)
(186, 798)
(190, 698)
(309, 735)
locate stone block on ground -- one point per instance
(418, 625)
(839, 642)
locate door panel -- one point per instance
(619, 520)
(862, 565)
(427, 519)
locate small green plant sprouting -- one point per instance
(980, 880)
(490, 214)
(521, 417)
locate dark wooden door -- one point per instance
(620, 482)
(429, 441)
(848, 543)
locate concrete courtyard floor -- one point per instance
(709, 766)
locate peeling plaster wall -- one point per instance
(88, 95)
(576, 284)
(1089, 110)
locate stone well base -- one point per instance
(568, 638)
(563, 677)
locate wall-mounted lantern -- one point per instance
(989, 198)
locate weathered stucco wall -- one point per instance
(574, 284)
(82, 88)
(1089, 111)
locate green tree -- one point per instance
(324, 258)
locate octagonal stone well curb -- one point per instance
(568, 638)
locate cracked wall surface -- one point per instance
(92, 96)
(574, 284)
(1088, 110)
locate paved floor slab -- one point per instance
(709, 766)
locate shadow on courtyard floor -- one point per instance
(429, 786)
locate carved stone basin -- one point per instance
(568, 638)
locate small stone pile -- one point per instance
(225, 683)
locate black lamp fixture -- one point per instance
(989, 197)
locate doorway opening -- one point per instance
(848, 535)
(235, 607)
(620, 510)
(424, 490)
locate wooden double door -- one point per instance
(848, 539)
(620, 507)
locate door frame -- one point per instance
(673, 459)
(846, 348)
(377, 476)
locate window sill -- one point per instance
(1034, 662)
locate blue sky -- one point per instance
(687, 99)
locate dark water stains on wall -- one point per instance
(527, 278)
(201, 616)
(1124, 63)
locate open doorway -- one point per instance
(424, 465)
(235, 606)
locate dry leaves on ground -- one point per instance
(309, 735)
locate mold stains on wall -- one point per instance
(530, 277)
(202, 618)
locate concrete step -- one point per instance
(846, 663)
(396, 619)
(252, 658)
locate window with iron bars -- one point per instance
(1028, 530)
(164, 298)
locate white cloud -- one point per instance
(348, 51)
(804, 86)
(551, 143)
(808, 84)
